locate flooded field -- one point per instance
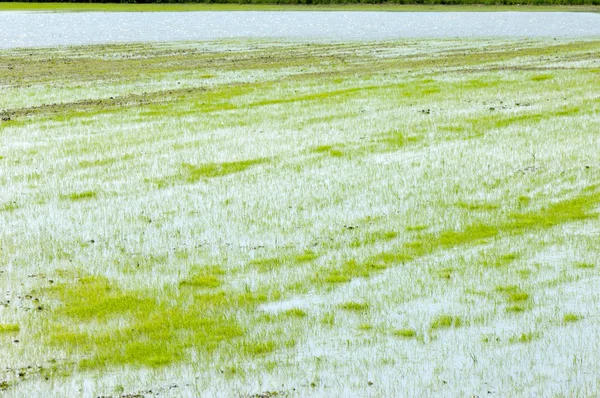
(253, 218)
(30, 29)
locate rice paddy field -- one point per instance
(259, 218)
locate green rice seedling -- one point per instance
(328, 319)
(584, 265)
(501, 261)
(259, 348)
(329, 150)
(195, 173)
(576, 209)
(374, 237)
(445, 273)
(416, 228)
(571, 317)
(365, 327)
(295, 313)
(201, 281)
(10, 206)
(267, 264)
(524, 337)
(541, 78)
(405, 333)
(306, 256)
(9, 328)
(517, 300)
(354, 306)
(79, 195)
(445, 322)
(478, 206)
(476, 233)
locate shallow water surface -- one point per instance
(29, 29)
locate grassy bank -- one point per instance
(74, 7)
(415, 217)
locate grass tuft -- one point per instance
(445, 322)
(195, 173)
(571, 318)
(354, 306)
(405, 333)
(79, 195)
(9, 328)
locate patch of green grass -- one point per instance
(267, 264)
(295, 313)
(514, 297)
(259, 347)
(356, 269)
(329, 150)
(201, 281)
(328, 319)
(288, 259)
(481, 206)
(541, 78)
(394, 140)
(365, 327)
(405, 333)
(305, 256)
(517, 299)
(354, 306)
(445, 273)
(524, 337)
(416, 228)
(150, 333)
(569, 210)
(195, 173)
(571, 317)
(93, 297)
(374, 237)
(475, 233)
(79, 195)
(500, 261)
(517, 308)
(445, 322)
(584, 265)
(9, 328)
(9, 206)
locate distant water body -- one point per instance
(32, 29)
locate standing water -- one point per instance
(31, 29)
